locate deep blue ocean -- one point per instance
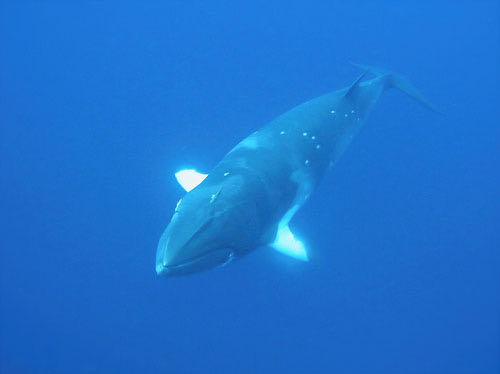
(101, 103)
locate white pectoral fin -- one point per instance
(189, 178)
(288, 244)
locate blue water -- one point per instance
(101, 103)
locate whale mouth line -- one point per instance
(187, 266)
(184, 264)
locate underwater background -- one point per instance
(100, 104)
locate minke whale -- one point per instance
(249, 198)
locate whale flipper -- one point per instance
(251, 195)
(289, 245)
(189, 178)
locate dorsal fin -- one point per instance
(353, 89)
(392, 79)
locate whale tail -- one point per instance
(394, 80)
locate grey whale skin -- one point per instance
(251, 195)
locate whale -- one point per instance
(249, 198)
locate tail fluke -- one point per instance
(398, 81)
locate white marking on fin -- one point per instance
(189, 178)
(289, 245)
(286, 242)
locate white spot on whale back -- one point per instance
(250, 142)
